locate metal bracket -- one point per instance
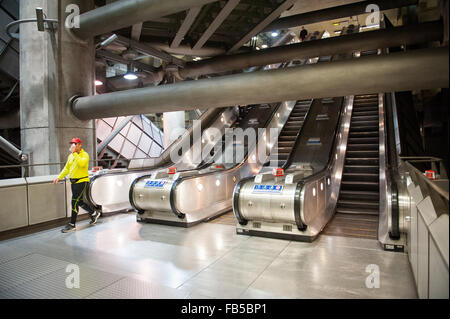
(42, 23)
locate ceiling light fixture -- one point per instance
(130, 75)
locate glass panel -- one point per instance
(116, 143)
(124, 131)
(155, 151)
(145, 143)
(161, 141)
(138, 121)
(111, 121)
(140, 154)
(128, 150)
(134, 134)
(103, 130)
(119, 121)
(147, 128)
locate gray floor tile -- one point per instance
(53, 285)
(125, 259)
(8, 253)
(130, 288)
(21, 270)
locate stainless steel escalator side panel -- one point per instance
(268, 205)
(210, 194)
(386, 200)
(274, 215)
(321, 190)
(110, 192)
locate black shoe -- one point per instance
(94, 218)
(68, 228)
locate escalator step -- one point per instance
(362, 117)
(364, 113)
(364, 122)
(363, 134)
(352, 185)
(368, 103)
(357, 211)
(361, 161)
(358, 194)
(358, 203)
(283, 150)
(363, 140)
(362, 154)
(286, 138)
(358, 147)
(371, 129)
(369, 177)
(365, 108)
(285, 144)
(361, 169)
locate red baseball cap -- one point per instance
(75, 140)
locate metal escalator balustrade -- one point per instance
(358, 204)
(109, 192)
(298, 205)
(181, 201)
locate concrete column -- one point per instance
(53, 67)
(173, 126)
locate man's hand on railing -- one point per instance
(55, 181)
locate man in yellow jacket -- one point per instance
(77, 169)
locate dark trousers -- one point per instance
(77, 201)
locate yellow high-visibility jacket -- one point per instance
(76, 167)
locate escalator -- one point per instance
(358, 204)
(289, 134)
(270, 203)
(180, 200)
(108, 192)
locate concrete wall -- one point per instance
(428, 246)
(30, 201)
(53, 67)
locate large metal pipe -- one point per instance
(11, 149)
(187, 50)
(328, 14)
(385, 38)
(124, 13)
(420, 69)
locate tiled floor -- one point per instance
(225, 219)
(120, 258)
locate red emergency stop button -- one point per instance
(431, 174)
(171, 170)
(278, 172)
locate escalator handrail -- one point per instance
(332, 149)
(391, 167)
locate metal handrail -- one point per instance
(430, 183)
(60, 163)
(16, 34)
